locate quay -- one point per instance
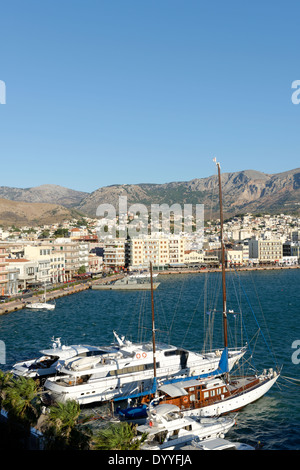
(18, 303)
(219, 270)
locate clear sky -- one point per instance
(102, 92)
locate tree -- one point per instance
(22, 403)
(5, 378)
(61, 430)
(121, 436)
(81, 270)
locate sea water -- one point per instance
(265, 312)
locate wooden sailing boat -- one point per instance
(216, 395)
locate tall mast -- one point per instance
(223, 260)
(153, 323)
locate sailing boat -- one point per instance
(41, 305)
(215, 395)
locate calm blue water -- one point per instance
(187, 314)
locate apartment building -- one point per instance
(114, 253)
(83, 255)
(26, 271)
(159, 250)
(95, 263)
(193, 257)
(41, 254)
(3, 270)
(266, 251)
(67, 249)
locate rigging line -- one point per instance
(286, 386)
(290, 378)
(255, 317)
(163, 315)
(175, 310)
(262, 312)
(187, 330)
(211, 309)
(125, 317)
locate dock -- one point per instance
(18, 303)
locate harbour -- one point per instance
(90, 317)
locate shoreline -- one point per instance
(219, 270)
(19, 304)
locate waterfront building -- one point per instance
(26, 271)
(83, 255)
(3, 270)
(114, 253)
(69, 249)
(95, 263)
(160, 250)
(295, 250)
(266, 251)
(42, 255)
(193, 257)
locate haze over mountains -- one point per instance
(243, 191)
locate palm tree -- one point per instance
(61, 429)
(121, 436)
(22, 399)
(22, 403)
(5, 378)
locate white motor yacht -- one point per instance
(127, 369)
(215, 443)
(167, 428)
(48, 363)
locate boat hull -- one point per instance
(63, 388)
(236, 402)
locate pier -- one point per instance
(18, 303)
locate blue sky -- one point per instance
(103, 92)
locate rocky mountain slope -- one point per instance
(46, 193)
(243, 191)
(27, 213)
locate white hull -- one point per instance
(99, 382)
(171, 429)
(41, 306)
(236, 402)
(49, 361)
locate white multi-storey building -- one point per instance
(265, 250)
(114, 253)
(159, 250)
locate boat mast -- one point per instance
(153, 324)
(223, 260)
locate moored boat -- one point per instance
(51, 359)
(127, 368)
(167, 428)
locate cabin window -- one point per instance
(219, 391)
(212, 393)
(130, 370)
(206, 394)
(192, 397)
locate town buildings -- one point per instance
(32, 256)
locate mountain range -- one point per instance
(243, 191)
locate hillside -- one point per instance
(46, 193)
(25, 213)
(243, 191)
